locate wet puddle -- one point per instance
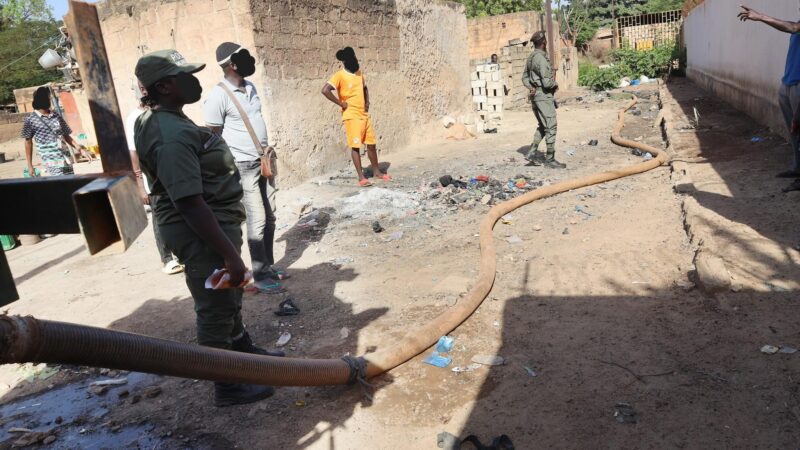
(78, 418)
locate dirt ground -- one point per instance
(593, 296)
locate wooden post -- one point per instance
(83, 25)
(551, 43)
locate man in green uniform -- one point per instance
(540, 79)
(198, 209)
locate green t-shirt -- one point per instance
(182, 160)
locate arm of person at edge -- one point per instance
(202, 221)
(780, 25)
(139, 180)
(29, 156)
(526, 77)
(327, 91)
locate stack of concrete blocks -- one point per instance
(487, 95)
(513, 59)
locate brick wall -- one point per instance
(413, 53)
(195, 28)
(487, 35)
(11, 126)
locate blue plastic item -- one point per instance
(26, 174)
(435, 359)
(445, 344)
(636, 82)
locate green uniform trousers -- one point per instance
(219, 316)
(545, 112)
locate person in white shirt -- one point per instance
(169, 264)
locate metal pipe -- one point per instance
(31, 340)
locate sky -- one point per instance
(60, 7)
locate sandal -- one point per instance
(287, 308)
(269, 287)
(385, 177)
(364, 183)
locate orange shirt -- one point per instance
(350, 88)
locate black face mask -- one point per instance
(189, 87)
(244, 63)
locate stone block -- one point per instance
(479, 83)
(483, 76)
(493, 101)
(495, 76)
(473, 76)
(479, 99)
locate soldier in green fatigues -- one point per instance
(540, 79)
(199, 210)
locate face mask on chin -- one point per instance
(244, 63)
(189, 88)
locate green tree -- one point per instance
(654, 6)
(480, 8)
(13, 12)
(20, 48)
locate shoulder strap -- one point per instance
(244, 116)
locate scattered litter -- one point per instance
(98, 390)
(581, 209)
(468, 368)
(396, 236)
(530, 371)
(570, 152)
(514, 240)
(448, 121)
(490, 131)
(19, 430)
(648, 156)
(342, 260)
(787, 350)
(486, 199)
(537, 228)
(344, 332)
(284, 339)
(287, 308)
(593, 142)
(151, 392)
(756, 139)
(300, 403)
(624, 413)
(496, 323)
(507, 219)
(769, 349)
(445, 344)
(566, 231)
(489, 360)
(447, 180)
(435, 359)
(114, 382)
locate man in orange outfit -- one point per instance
(353, 98)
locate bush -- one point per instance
(628, 63)
(650, 63)
(598, 79)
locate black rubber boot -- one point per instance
(550, 160)
(245, 345)
(229, 394)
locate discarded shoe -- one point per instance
(287, 308)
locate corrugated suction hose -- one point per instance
(25, 339)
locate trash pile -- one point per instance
(477, 189)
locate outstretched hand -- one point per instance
(748, 13)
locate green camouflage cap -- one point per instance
(161, 64)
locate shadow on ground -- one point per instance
(669, 369)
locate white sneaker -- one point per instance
(172, 267)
